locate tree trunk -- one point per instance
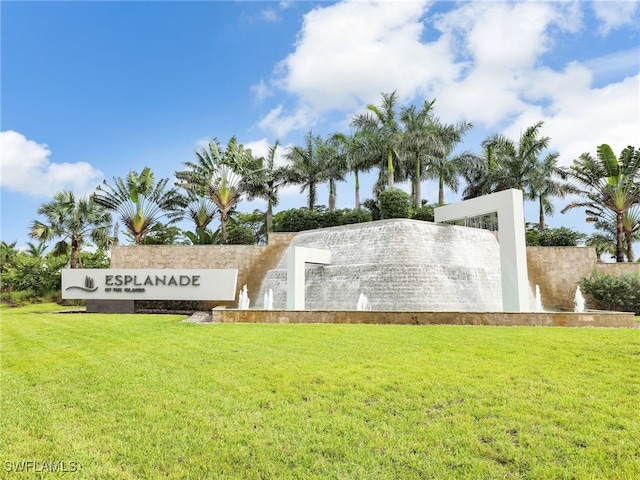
(75, 253)
(440, 190)
(619, 237)
(332, 196)
(417, 193)
(629, 239)
(269, 219)
(390, 170)
(541, 217)
(223, 227)
(357, 190)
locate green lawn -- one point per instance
(145, 396)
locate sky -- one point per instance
(91, 90)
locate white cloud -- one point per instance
(374, 47)
(261, 91)
(483, 61)
(26, 169)
(615, 14)
(270, 15)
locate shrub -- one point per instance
(553, 237)
(299, 219)
(424, 213)
(394, 203)
(240, 235)
(614, 292)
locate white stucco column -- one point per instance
(296, 260)
(511, 229)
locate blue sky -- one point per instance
(91, 90)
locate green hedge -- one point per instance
(301, 219)
(613, 292)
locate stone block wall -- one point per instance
(557, 270)
(252, 261)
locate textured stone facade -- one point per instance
(252, 261)
(557, 270)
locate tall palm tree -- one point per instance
(418, 142)
(333, 156)
(141, 202)
(274, 179)
(383, 130)
(76, 221)
(610, 187)
(223, 176)
(357, 157)
(545, 182)
(306, 167)
(480, 172)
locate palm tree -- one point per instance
(383, 131)
(8, 254)
(306, 168)
(357, 158)
(545, 182)
(480, 172)
(223, 176)
(275, 179)
(602, 242)
(610, 186)
(333, 156)
(141, 202)
(75, 221)
(36, 251)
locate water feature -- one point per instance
(401, 265)
(243, 299)
(363, 303)
(537, 306)
(578, 301)
(268, 300)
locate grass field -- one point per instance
(145, 396)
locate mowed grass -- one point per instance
(146, 396)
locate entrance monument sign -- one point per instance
(149, 284)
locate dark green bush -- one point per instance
(394, 203)
(613, 292)
(424, 213)
(299, 219)
(553, 237)
(240, 235)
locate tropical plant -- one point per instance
(224, 176)
(306, 167)
(75, 221)
(141, 202)
(333, 158)
(546, 181)
(36, 251)
(603, 243)
(380, 125)
(610, 187)
(161, 234)
(358, 159)
(275, 179)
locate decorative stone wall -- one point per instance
(558, 270)
(252, 261)
(505, 319)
